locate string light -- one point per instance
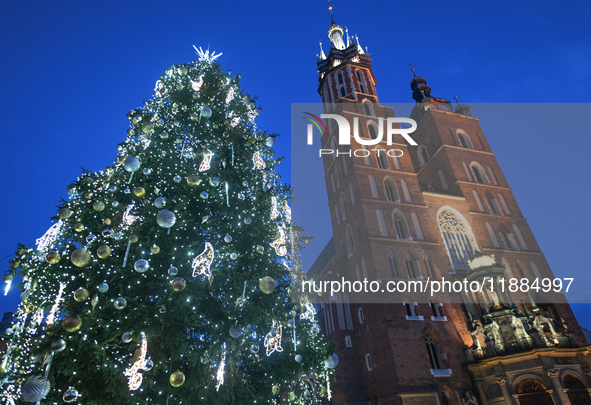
(220, 373)
(54, 312)
(135, 378)
(48, 239)
(278, 243)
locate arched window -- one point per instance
(352, 195)
(468, 173)
(444, 395)
(382, 158)
(345, 165)
(411, 267)
(478, 201)
(368, 108)
(417, 224)
(491, 234)
(382, 223)
(429, 266)
(361, 81)
(400, 225)
(508, 273)
(456, 238)
(442, 180)
(364, 267)
(406, 190)
(464, 139)
(492, 203)
(492, 176)
(520, 270)
(479, 173)
(343, 92)
(519, 237)
(534, 268)
(423, 155)
(340, 77)
(344, 208)
(373, 130)
(508, 238)
(397, 165)
(333, 146)
(334, 188)
(434, 353)
(577, 392)
(367, 156)
(336, 213)
(533, 392)
(394, 269)
(343, 250)
(391, 190)
(359, 239)
(504, 204)
(357, 272)
(338, 174)
(350, 242)
(373, 186)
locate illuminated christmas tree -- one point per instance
(166, 276)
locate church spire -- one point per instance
(335, 32)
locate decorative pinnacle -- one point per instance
(456, 97)
(413, 70)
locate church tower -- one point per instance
(438, 210)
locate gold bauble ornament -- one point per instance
(193, 180)
(139, 192)
(178, 284)
(260, 249)
(78, 227)
(52, 257)
(155, 249)
(88, 195)
(81, 294)
(120, 160)
(71, 323)
(148, 128)
(267, 285)
(177, 379)
(81, 257)
(182, 70)
(179, 86)
(98, 206)
(276, 390)
(134, 120)
(133, 238)
(103, 252)
(64, 213)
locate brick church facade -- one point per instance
(441, 210)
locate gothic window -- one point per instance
(358, 231)
(430, 188)
(508, 272)
(333, 146)
(491, 234)
(400, 225)
(343, 246)
(442, 180)
(534, 268)
(343, 92)
(334, 188)
(429, 266)
(417, 224)
(479, 173)
(340, 76)
(361, 81)
(508, 239)
(363, 268)
(367, 157)
(464, 139)
(373, 130)
(468, 173)
(492, 176)
(394, 269)
(423, 155)
(519, 237)
(478, 201)
(520, 271)
(391, 190)
(397, 162)
(456, 238)
(373, 186)
(336, 213)
(352, 194)
(382, 159)
(411, 266)
(357, 273)
(406, 190)
(350, 242)
(505, 205)
(344, 208)
(444, 398)
(434, 353)
(338, 174)
(368, 108)
(382, 223)
(492, 202)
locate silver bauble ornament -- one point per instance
(35, 389)
(148, 365)
(103, 287)
(173, 271)
(236, 331)
(166, 218)
(206, 112)
(141, 266)
(332, 361)
(131, 164)
(71, 395)
(270, 141)
(227, 238)
(58, 345)
(204, 195)
(247, 220)
(254, 348)
(120, 303)
(315, 329)
(160, 202)
(126, 337)
(298, 358)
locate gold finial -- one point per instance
(456, 97)
(413, 70)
